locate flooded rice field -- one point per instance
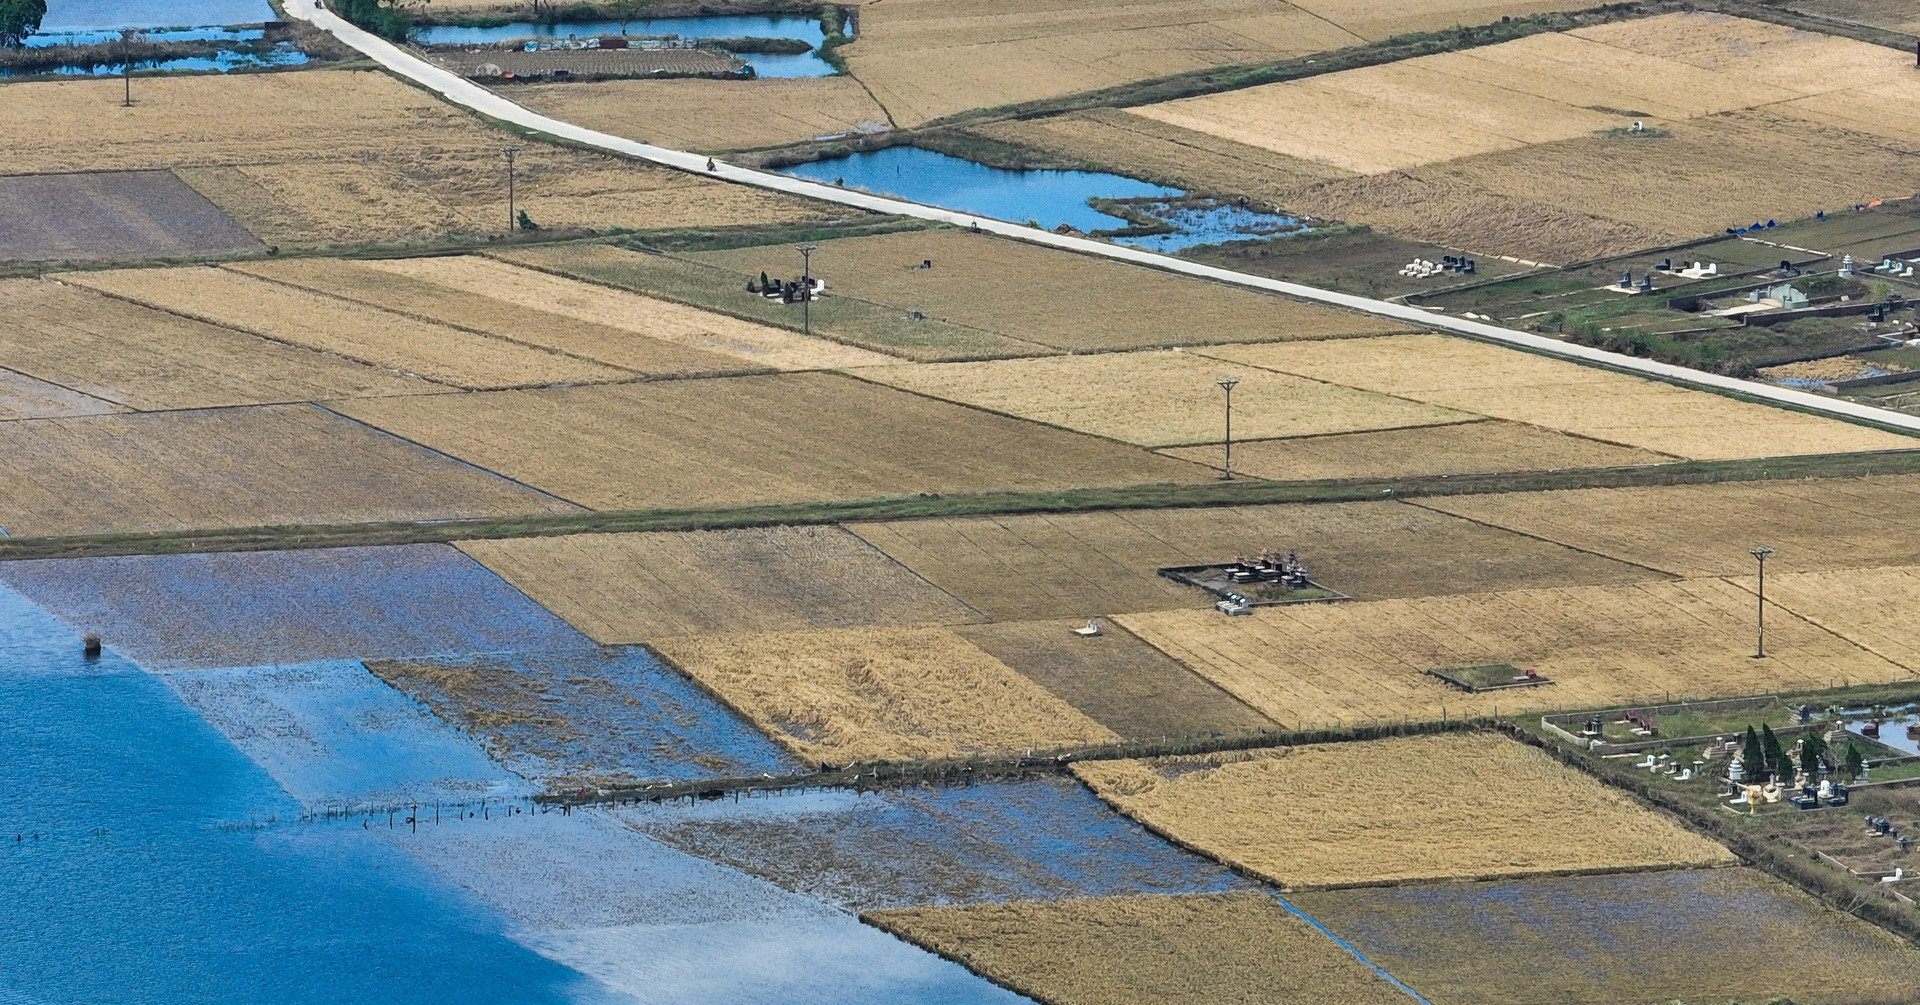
(765, 64)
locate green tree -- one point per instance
(1776, 755)
(1753, 756)
(1856, 764)
(1811, 747)
(19, 19)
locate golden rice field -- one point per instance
(1447, 806)
(353, 331)
(1053, 298)
(232, 467)
(1346, 663)
(627, 588)
(734, 441)
(1585, 401)
(366, 283)
(695, 114)
(1199, 949)
(1459, 448)
(866, 694)
(1707, 530)
(145, 359)
(773, 348)
(1023, 567)
(326, 156)
(1872, 608)
(1158, 399)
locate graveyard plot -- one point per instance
(147, 359)
(234, 467)
(1159, 399)
(1446, 806)
(1705, 530)
(1052, 298)
(1186, 950)
(1602, 646)
(634, 587)
(760, 345)
(868, 694)
(741, 440)
(1698, 935)
(1040, 838)
(1115, 679)
(365, 283)
(1093, 564)
(241, 609)
(599, 718)
(112, 214)
(354, 331)
(333, 734)
(1583, 401)
(1457, 448)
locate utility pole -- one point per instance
(511, 219)
(127, 35)
(1227, 384)
(1760, 636)
(806, 286)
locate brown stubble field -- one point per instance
(1459, 448)
(1481, 805)
(1188, 950)
(716, 115)
(627, 588)
(742, 440)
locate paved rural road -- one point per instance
(464, 92)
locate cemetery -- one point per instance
(1266, 579)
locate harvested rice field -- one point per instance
(598, 717)
(338, 156)
(1872, 608)
(355, 331)
(261, 608)
(1454, 449)
(788, 438)
(1187, 950)
(693, 114)
(1447, 806)
(1115, 679)
(867, 694)
(1043, 837)
(1159, 399)
(233, 467)
(622, 588)
(1015, 568)
(1053, 298)
(759, 345)
(97, 216)
(147, 359)
(1313, 664)
(24, 397)
(1554, 394)
(1706, 530)
(367, 283)
(1602, 940)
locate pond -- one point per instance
(1049, 198)
(67, 16)
(1893, 731)
(765, 64)
(283, 54)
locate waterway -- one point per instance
(68, 16)
(765, 64)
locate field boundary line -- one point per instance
(1415, 503)
(465, 93)
(1736, 583)
(463, 462)
(1343, 944)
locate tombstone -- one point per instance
(1469, 267)
(1846, 266)
(1785, 265)
(1820, 215)
(763, 281)
(1803, 714)
(1646, 282)
(1666, 265)
(1626, 278)
(926, 263)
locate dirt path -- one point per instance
(468, 94)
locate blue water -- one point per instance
(45, 38)
(139, 874)
(780, 65)
(86, 15)
(1214, 223)
(281, 55)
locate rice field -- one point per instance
(620, 588)
(146, 359)
(1024, 567)
(867, 694)
(1313, 664)
(1872, 608)
(237, 467)
(763, 346)
(1447, 806)
(1189, 950)
(1458, 448)
(693, 114)
(1052, 298)
(354, 331)
(734, 441)
(366, 283)
(1698, 936)
(24, 397)
(1158, 399)
(1707, 530)
(1584, 401)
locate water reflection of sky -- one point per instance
(84, 15)
(765, 64)
(1893, 733)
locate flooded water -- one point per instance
(765, 64)
(93, 23)
(106, 15)
(1893, 732)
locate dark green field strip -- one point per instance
(1166, 496)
